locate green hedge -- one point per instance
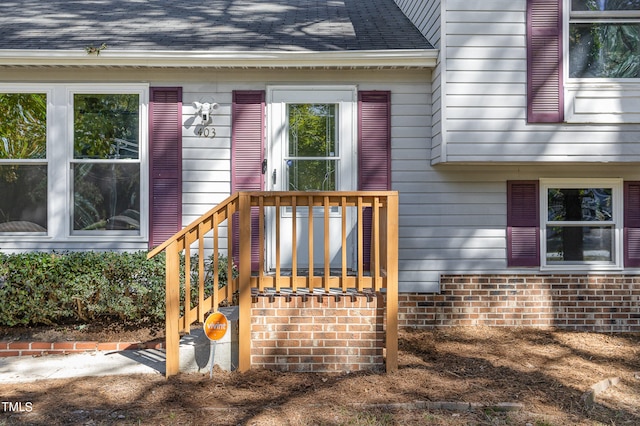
(54, 288)
(84, 287)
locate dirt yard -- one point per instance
(461, 376)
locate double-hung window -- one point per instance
(72, 164)
(581, 222)
(106, 163)
(604, 39)
(23, 162)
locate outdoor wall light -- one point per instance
(205, 110)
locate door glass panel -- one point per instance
(312, 175)
(312, 150)
(312, 130)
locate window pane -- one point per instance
(580, 243)
(23, 125)
(605, 4)
(604, 50)
(580, 204)
(106, 197)
(23, 204)
(312, 175)
(106, 126)
(312, 130)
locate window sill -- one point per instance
(602, 101)
(581, 268)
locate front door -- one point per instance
(311, 148)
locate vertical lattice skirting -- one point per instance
(605, 303)
(324, 333)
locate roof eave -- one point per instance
(400, 58)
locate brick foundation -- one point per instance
(604, 303)
(22, 348)
(317, 333)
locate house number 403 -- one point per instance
(206, 132)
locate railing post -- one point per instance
(244, 283)
(172, 319)
(392, 282)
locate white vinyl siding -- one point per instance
(452, 217)
(206, 161)
(485, 85)
(426, 16)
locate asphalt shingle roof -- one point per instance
(208, 25)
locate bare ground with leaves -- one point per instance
(545, 373)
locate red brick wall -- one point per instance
(607, 303)
(35, 348)
(317, 333)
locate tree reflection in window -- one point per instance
(106, 168)
(23, 181)
(604, 39)
(313, 147)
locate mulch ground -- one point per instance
(457, 376)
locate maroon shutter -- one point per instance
(523, 224)
(165, 142)
(247, 151)
(545, 102)
(374, 152)
(632, 224)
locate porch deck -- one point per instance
(376, 271)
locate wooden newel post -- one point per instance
(392, 282)
(172, 334)
(244, 282)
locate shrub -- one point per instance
(84, 287)
(52, 288)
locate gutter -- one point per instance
(401, 58)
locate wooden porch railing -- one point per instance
(188, 302)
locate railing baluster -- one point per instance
(229, 288)
(261, 243)
(359, 280)
(201, 274)
(187, 289)
(294, 244)
(327, 245)
(278, 277)
(215, 301)
(343, 202)
(310, 238)
(375, 243)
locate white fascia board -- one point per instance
(414, 58)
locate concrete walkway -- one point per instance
(21, 369)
